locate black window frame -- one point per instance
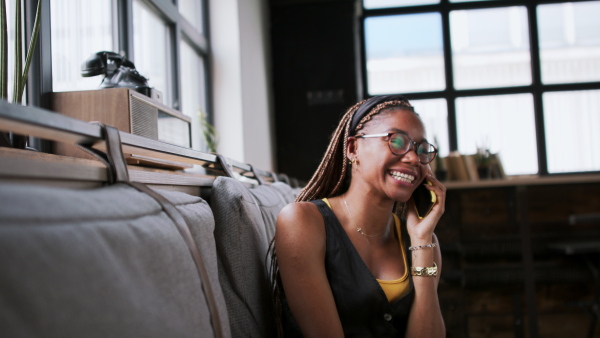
(536, 89)
(39, 84)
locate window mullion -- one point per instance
(449, 92)
(124, 32)
(537, 89)
(175, 65)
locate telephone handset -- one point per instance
(424, 200)
(118, 71)
(104, 62)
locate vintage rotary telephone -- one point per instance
(118, 72)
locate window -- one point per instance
(569, 42)
(166, 42)
(490, 47)
(79, 29)
(470, 70)
(504, 124)
(193, 94)
(152, 49)
(192, 11)
(404, 53)
(10, 24)
(571, 122)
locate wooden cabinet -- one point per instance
(506, 272)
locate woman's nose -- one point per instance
(411, 156)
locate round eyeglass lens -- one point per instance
(426, 152)
(399, 144)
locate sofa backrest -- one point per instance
(103, 262)
(244, 226)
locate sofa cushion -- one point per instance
(271, 199)
(288, 193)
(242, 239)
(102, 262)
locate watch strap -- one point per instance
(424, 271)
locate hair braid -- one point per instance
(334, 164)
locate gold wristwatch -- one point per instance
(425, 271)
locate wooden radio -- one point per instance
(126, 110)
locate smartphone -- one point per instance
(424, 200)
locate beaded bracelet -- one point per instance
(431, 245)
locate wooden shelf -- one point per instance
(523, 181)
(20, 165)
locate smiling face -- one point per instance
(379, 171)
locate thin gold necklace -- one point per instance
(359, 230)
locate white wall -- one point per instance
(241, 82)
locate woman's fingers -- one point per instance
(440, 191)
(425, 227)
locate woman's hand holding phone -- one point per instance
(424, 199)
(426, 208)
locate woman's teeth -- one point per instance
(402, 177)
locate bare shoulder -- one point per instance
(300, 223)
(299, 211)
(300, 246)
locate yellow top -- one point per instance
(394, 289)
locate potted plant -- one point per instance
(483, 160)
(209, 132)
(21, 70)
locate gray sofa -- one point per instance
(108, 262)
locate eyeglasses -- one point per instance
(401, 144)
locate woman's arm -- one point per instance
(425, 319)
(300, 248)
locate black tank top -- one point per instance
(362, 305)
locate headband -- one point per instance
(371, 103)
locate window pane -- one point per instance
(434, 113)
(192, 12)
(152, 50)
(193, 91)
(78, 30)
(504, 124)
(404, 53)
(572, 126)
(370, 4)
(490, 47)
(569, 42)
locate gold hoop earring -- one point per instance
(352, 161)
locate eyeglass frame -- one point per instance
(412, 145)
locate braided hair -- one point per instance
(328, 180)
(332, 176)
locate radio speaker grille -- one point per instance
(144, 119)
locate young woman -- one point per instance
(346, 264)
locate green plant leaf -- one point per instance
(32, 42)
(18, 52)
(211, 136)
